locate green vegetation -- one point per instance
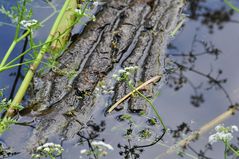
(21, 18)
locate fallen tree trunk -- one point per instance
(125, 33)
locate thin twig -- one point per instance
(205, 128)
(154, 79)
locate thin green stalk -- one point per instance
(23, 36)
(13, 45)
(15, 65)
(23, 88)
(36, 46)
(231, 6)
(225, 151)
(150, 103)
(9, 51)
(233, 150)
(20, 19)
(16, 39)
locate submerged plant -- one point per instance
(125, 75)
(4, 105)
(98, 149)
(48, 150)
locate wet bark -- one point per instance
(126, 33)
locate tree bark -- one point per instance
(125, 33)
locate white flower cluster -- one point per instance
(102, 144)
(223, 134)
(28, 23)
(80, 12)
(123, 74)
(48, 148)
(99, 147)
(103, 89)
(95, 3)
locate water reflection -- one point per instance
(209, 16)
(179, 79)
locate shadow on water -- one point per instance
(201, 83)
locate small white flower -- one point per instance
(115, 76)
(47, 149)
(83, 151)
(234, 128)
(80, 12)
(28, 23)
(223, 134)
(128, 73)
(105, 92)
(39, 148)
(101, 143)
(121, 71)
(96, 3)
(118, 78)
(48, 144)
(36, 156)
(219, 127)
(110, 92)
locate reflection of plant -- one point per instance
(211, 16)
(6, 152)
(48, 150)
(89, 135)
(224, 134)
(179, 79)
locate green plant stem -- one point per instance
(233, 150)
(150, 103)
(20, 19)
(231, 6)
(13, 45)
(23, 88)
(225, 151)
(15, 65)
(8, 53)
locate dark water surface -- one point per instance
(208, 44)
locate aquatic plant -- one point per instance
(98, 149)
(124, 75)
(224, 134)
(48, 150)
(232, 5)
(54, 44)
(4, 105)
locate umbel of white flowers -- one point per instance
(48, 148)
(28, 23)
(223, 134)
(123, 74)
(99, 147)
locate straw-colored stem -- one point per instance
(154, 79)
(205, 128)
(23, 88)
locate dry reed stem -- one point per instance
(205, 128)
(153, 79)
